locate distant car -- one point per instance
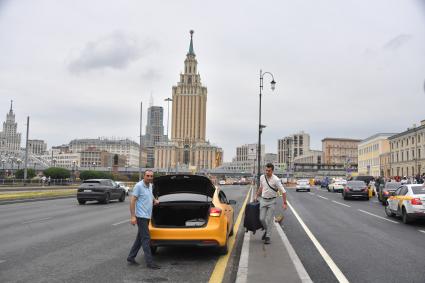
(408, 201)
(385, 192)
(367, 180)
(222, 182)
(324, 183)
(355, 189)
(337, 185)
(124, 186)
(302, 185)
(101, 190)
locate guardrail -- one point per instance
(35, 183)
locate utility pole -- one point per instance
(26, 151)
(140, 143)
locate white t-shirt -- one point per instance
(274, 182)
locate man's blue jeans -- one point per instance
(142, 240)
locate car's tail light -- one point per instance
(215, 211)
(347, 189)
(386, 193)
(416, 201)
(365, 189)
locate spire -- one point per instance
(191, 52)
(11, 105)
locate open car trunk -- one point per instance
(181, 214)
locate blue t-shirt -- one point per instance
(144, 201)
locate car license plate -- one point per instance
(87, 191)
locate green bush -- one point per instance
(91, 174)
(19, 174)
(57, 173)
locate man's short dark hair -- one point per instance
(269, 165)
(148, 170)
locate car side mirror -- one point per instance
(231, 202)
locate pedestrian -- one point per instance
(269, 186)
(43, 180)
(141, 204)
(48, 181)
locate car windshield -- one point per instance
(356, 184)
(392, 185)
(302, 182)
(418, 190)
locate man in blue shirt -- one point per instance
(141, 204)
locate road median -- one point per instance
(31, 195)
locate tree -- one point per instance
(90, 174)
(57, 173)
(19, 174)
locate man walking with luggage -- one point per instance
(141, 204)
(269, 186)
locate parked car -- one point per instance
(408, 202)
(101, 190)
(124, 186)
(385, 192)
(337, 185)
(222, 182)
(191, 212)
(302, 185)
(355, 189)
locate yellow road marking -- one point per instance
(218, 272)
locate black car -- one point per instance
(101, 190)
(385, 192)
(355, 189)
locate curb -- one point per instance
(5, 202)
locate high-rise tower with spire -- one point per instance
(188, 144)
(10, 139)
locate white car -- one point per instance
(408, 201)
(337, 185)
(222, 182)
(124, 186)
(303, 185)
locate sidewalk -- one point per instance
(276, 262)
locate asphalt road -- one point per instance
(365, 244)
(61, 241)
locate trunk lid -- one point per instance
(173, 184)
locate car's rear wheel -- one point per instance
(224, 249)
(296, 190)
(308, 190)
(122, 198)
(405, 217)
(388, 211)
(80, 201)
(107, 199)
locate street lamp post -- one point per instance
(94, 166)
(260, 126)
(168, 138)
(73, 170)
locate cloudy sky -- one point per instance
(347, 68)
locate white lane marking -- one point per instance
(322, 197)
(341, 203)
(312, 193)
(422, 231)
(2, 261)
(36, 220)
(121, 222)
(242, 275)
(302, 273)
(332, 265)
(377, 216)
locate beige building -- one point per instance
(407, 151)
(310, 157)
(370, 151)
(291, 147)
(37, 147)
(385, 163)
(340, 151)
(188, 146)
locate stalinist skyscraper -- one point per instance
(188, 146)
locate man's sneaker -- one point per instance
(132, 261)
(264, 236)
(267, 240)
(153, 266)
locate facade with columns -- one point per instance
(188, 145)
(10, 139)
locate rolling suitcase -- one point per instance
(252, 217)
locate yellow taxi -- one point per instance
(191, 212)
